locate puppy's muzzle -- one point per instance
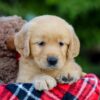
(52, 61)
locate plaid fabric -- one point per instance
(87, 88)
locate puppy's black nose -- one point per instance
(52, 60)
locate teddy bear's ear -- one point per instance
(74, 45)
(21, 41)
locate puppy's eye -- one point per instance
(42, 43)
(61, 43)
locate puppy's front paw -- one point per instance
(68, 78)
(44, 82)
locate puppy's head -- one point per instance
(49, 40)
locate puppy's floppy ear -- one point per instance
(74, 45)
(22, 41)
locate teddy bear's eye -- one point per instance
(42, 43)
(61, 43)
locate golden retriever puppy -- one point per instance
(47, 45)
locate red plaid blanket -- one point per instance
(87, 88)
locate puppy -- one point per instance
(47, 45)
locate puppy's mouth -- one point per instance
(52, 67)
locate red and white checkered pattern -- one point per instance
(87, 88)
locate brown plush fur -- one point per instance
(8, 63)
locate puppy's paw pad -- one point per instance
(44, 82)
(67, 79)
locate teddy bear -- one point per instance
(9, 26)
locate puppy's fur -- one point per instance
(43, 37)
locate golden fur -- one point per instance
(33, 66)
